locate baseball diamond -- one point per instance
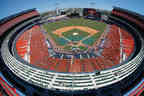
(86, 32)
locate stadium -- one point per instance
(72, 52)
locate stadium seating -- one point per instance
(63, 81)
(8, 24)
(54, 78)
(112, 46)
(38, 46)
(39, 55)
(133, 18)
(22, 44)
(127, 42)
(87, 66)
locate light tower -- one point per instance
(57, 9)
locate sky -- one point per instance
(9, 7)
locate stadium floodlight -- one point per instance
(57, 9)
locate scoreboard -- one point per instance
(91, 13)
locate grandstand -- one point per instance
(35, 63)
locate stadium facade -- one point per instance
(18, 77)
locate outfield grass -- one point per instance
(90, 41)
(75, 22)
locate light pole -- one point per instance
(57, 4)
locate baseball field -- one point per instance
(83, 32)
